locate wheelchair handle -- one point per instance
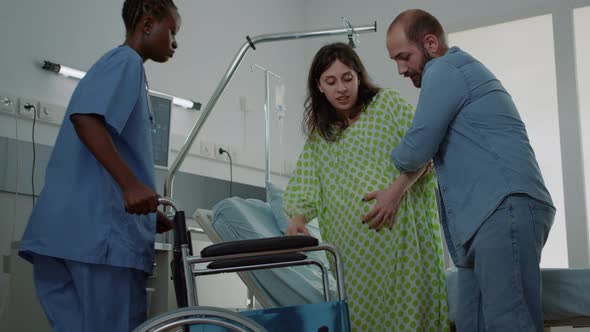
(181, 234)
(167, 202)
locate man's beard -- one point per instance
(417, 77)
(417, 80)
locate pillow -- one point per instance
(275, 197)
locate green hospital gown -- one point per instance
(394, 278)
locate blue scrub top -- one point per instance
(80, 214)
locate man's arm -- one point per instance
(444, 92)
(385, 209)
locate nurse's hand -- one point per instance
(297, 226)
(163, 224)
(139, 199)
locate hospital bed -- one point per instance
(566, 292)
(239, 219)
(566, 296)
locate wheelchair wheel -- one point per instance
(180, 319)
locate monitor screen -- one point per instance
(161, 107)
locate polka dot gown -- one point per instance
(394, 278)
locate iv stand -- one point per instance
(267, 74)
(251, 42)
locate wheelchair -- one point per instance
(243, 256)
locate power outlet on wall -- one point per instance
(50, 113)
(8, 103)
(206, 149)
(27, 108)
(219, 148)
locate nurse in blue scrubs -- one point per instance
(91, 234)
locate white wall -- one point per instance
(582, 26)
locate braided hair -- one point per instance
(133, 10)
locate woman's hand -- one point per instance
(139, 199)
(297, 226)
(163, 223)
(385, 210)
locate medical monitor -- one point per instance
(161, 109)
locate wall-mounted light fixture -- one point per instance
(78, 74)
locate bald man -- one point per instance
(496, 210)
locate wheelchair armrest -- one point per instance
(258, 245)
(259, 260)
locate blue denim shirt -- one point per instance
(468, 124)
